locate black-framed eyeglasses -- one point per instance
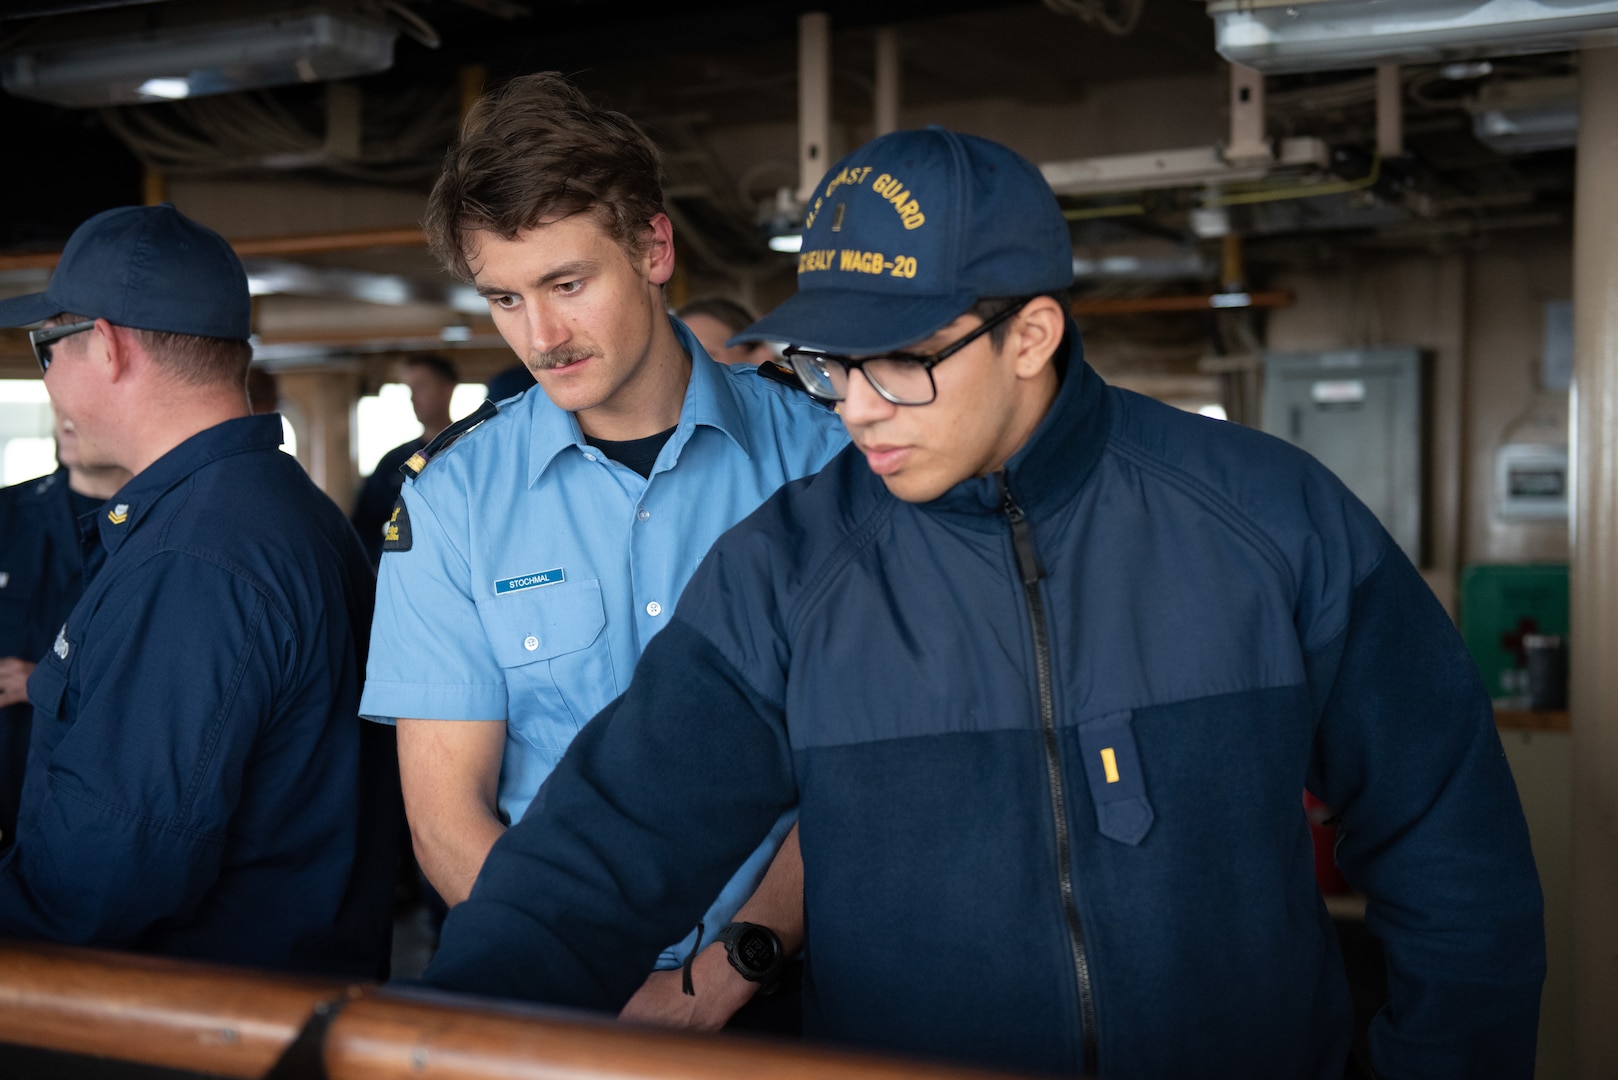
(42, 340)
(900, 377)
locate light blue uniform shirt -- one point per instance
(538, 569)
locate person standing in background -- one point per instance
(41, 578)
(715, 320)
(432, 380)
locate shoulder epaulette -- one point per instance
(444, 439)
(777, 372)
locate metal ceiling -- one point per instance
(716, 63)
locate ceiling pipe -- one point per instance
(814, 100)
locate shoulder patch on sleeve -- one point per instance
(396, 533)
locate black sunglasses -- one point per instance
(900, 377)
(42, 340)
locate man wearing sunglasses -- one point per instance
(199, 783)
(1046, 665)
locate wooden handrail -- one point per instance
(151, 1010)
(232, 1022)
(454, 1038)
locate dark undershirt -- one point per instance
(84, 504)
(637, 454)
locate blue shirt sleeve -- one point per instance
(133, 779)
(430, 658)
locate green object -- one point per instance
(1502, 602)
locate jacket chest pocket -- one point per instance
(1117, 783)
(551, 642)
(47, 686)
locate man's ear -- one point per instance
(659, 258)
(113, 350)
(1036, 334)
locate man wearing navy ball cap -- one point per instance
(199, 783)
(1046, 665)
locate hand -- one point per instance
(14, 672)
(720, 991)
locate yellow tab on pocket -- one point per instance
(1109, 762)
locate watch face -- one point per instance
(756, 949)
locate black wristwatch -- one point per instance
(754, 951)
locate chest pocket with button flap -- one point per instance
(47, 686)
(552, 643)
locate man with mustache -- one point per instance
(530, 561)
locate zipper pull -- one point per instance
(1022, 534)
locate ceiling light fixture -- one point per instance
(115, 60)
(164, 89)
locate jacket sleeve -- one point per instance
(655, 804)
(150, 721)
(1432, 831)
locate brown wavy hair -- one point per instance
(538, 149)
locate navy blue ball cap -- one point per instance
(908, 232)
(147, 268)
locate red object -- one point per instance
(1328, 878)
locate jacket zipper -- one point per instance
(1022, 542)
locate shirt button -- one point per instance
(644, 514)
(654, 609)
(530, 643)
(589, 457)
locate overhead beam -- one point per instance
(888, 83)
(246, 247)
(814, 100)
(283, 277)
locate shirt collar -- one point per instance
(710, 401)
(122, 514)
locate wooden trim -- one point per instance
(260, 246)
(1533, 719)
(311, 243)
(1150, 305)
